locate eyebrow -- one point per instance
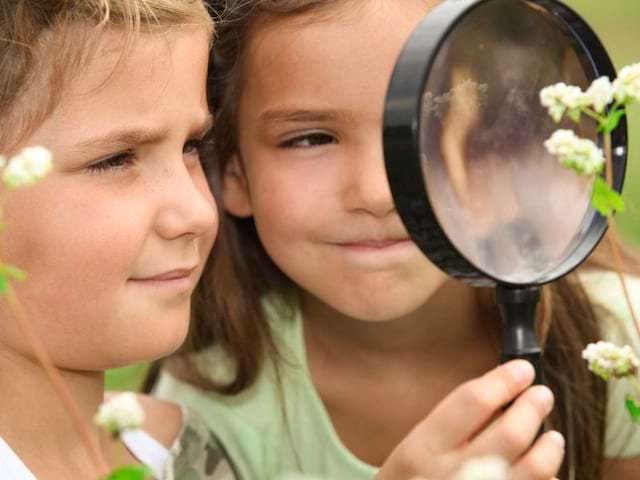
(122, 138)
(303, 115)
(128, 137)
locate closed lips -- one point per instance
(170, 275)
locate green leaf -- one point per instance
(605, 199)
(611, 122)
(633, 407)
(4, 283)
(130, 472)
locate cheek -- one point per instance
(71, 240)
(77, 257)
(289, 200)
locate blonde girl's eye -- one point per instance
(193, 147)
(309, 140)
(119, 162)
(192, 152)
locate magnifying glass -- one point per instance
(463, 145)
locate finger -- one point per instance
(511, 435)
(542, 461)
(470, 406)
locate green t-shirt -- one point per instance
(282, 426)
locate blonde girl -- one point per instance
(115, 238)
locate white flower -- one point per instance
(484, 468)
(600, 94)
(575, 153)
(608, 360)
(121, 412)
(627, 85)
(561, 97)
(29, 166)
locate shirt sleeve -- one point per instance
(198, 454)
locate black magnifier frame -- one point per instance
(402, 126)
(407, 179)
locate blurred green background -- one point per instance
(617, 23)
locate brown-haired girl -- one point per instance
(115, 238)
(325, 342)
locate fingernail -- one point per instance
(522, 371)
(557, 438)
(545, 396)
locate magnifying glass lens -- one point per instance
(502, 200)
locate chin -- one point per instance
(381, 314)
(148, 342)
(143, 353)
(376, 308)
(165, 344)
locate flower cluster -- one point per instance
(608, 360)
(484, 468)
(119, 413)
(599, 95)
(561, 98)
(28, 167)
(575, 153)
(627, 86)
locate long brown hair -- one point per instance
(227, 309)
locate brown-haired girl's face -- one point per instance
(115, 238)
(310, 145)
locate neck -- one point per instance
(35, 422)
(404, 366)
(451, 321)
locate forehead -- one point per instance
(162, 63)
(328, 55)
(161, 76)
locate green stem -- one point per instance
(609, 161)
(596, 116)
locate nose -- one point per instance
(188, 208)
(366, 188)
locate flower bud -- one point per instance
(121, 412)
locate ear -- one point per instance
(235, 190)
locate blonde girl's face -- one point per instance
(313, 175)
(115, 238)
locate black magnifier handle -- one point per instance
(518, 307)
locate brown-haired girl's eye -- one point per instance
(120, 161)
(310, 140)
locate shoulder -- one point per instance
(163, 420)
(192, 450)
(606, 292)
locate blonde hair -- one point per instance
(44, 43)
